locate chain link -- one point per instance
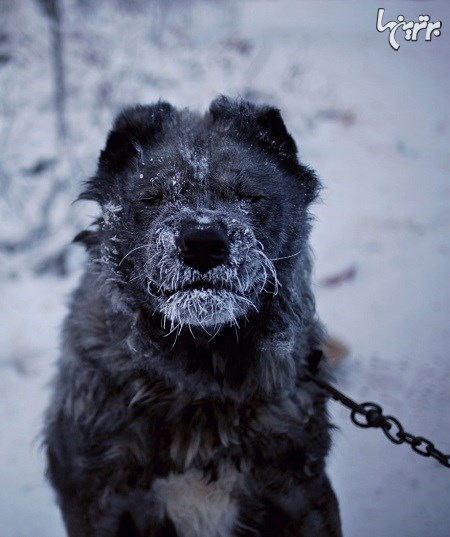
(370, 414)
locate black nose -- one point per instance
(203, 248)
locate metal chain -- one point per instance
(369, 414)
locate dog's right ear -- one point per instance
(135, 128)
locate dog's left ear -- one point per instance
(262, 123)
(265, 126)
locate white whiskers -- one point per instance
(287, 256)
(131, 251)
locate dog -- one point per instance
(181, 405)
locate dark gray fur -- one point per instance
(156, 380)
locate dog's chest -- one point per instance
(229, 440)
(200, 493)
(198, 507)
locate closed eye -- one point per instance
(250, 198)
(152, 200)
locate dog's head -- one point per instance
(198, 212)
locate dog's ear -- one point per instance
(133, 129)
(264, 126)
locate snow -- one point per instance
(374, 123)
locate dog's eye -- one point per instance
(151, 200)
(250, 198)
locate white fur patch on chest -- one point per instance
(198, 508)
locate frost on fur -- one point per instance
(204, 308)
(223, 295)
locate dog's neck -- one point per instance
(263, 356)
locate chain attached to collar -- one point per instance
(369, 414)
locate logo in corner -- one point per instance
(410, 29)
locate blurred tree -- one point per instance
(52, 8)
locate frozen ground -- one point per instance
(376, 125)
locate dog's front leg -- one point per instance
(102, 511)
(309, 509)
(140, 520)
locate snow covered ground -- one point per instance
(375, 123)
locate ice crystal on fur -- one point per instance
(205, 307)
(111, 212)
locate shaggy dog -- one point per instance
(181, 405)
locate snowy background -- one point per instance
(375, 124)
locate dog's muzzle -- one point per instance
(207, 274)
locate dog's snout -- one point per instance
(203, 248)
